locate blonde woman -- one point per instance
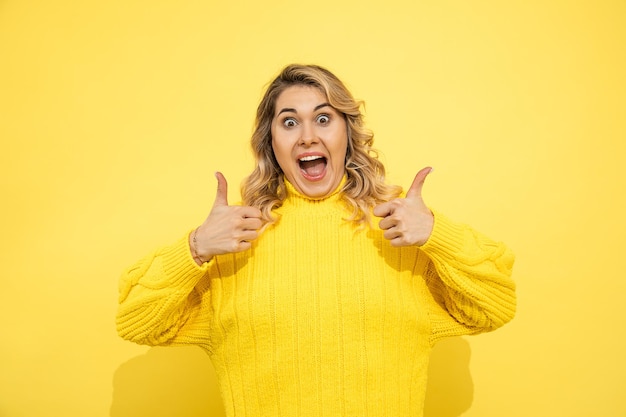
(324, 292)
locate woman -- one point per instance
(305, 306)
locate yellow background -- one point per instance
(114, 116)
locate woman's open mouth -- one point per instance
(313, 167)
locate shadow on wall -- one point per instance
(450, 390)
(181, 381)
(167, 381)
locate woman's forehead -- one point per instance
(300, 98)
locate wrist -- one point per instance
(193, 244)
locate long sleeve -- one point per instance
(160, 299)
(469, 278)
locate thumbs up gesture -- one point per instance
(407, 221)
(227, 229)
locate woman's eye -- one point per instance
(323, 119)
(289, 122)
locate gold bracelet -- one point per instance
(194, 252)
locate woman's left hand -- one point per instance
(407, 221)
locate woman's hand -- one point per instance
(227, 229)
(407, 221)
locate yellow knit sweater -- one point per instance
(319, 318)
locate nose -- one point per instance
(308, 135)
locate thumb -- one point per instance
(416, 188)
(221, 198)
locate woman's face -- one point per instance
(309, 140)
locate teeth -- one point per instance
(311, 158)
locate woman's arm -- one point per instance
(469, 275)
(470, 279)
(163, 299)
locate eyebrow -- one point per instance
(289, 109)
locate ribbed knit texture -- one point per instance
(319, 318)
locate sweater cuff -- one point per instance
(446, 239)
(179, 265)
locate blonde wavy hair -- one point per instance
(365, 184)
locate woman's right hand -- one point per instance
(227, 229)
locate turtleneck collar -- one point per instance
(295, 195)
